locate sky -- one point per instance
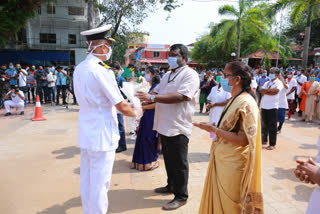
(186, 24)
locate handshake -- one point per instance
(308, 171)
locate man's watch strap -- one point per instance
(152, 97)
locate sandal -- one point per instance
(270, 147)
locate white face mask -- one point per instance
(108, 55)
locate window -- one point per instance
(72, 39)
(156, 54)
(39, 10)
(48, 38)
(51, 9)
(76, 11)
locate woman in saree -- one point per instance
(233, 181)
(309, 92)
(145, 151)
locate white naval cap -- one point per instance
(103, 32)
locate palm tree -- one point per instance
(299, 9)
(269, 44)
(245, 16)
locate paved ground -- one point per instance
(39, 164)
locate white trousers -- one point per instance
(10, 104)
(95, 177)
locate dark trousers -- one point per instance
(42, 92)
(61, 88)
(269, 125)
(51, 94)
(258, 97)
(122, 132)
(175, 155)
(31, 91)
(299, 101)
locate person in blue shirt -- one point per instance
(115, 66)
(61, 85)
(12, 72)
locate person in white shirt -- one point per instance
(22, 81)
(217, 99)
(283, 103)
(269, 108)
(99, 97)
(301, 78)
(173, 121)
(292, 83)
(51, 78)
(17, 101)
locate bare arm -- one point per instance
(232, 137)
(270, 91)
(149, 106)
(171, 98)
(125, 109)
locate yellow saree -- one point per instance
(233, 182)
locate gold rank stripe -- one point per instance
(104, 65)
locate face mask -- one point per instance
(108, 55)
(299, 73)
(32, 69)
(225, 85)
(218, 79)
(289, 76)
(312, 78)
(172, 61)
(18, 67)
(40, 71)
(264, 74)
(10, 66)
(29, 73)
(272, 76)
(52, 70)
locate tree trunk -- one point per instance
(90, 15)
(238, 41)
(307, 39)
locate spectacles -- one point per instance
(228, 75)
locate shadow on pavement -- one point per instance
(303, 192)
(197, 157)
(281, 174)
(121, 200)
(122, 166)
(62, 209)
(76, 171)
(308, 146)
(67, 152)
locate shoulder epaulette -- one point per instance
(104, 65)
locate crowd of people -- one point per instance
(279, 92)
(49, 82)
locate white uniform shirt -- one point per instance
(217, 95)
(97, 93)
(271, 101)
(15, 98)
(51, 77)
(175, 119)
(283, 102)
(292, 83)
(22, 78)
(302, 78)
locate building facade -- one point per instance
(53, 37)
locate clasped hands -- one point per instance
(308, 171)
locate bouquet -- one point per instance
(130, 89)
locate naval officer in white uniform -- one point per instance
(99, 97)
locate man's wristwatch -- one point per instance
(152, 97)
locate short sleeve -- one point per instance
(189, 84)
(109, 87)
